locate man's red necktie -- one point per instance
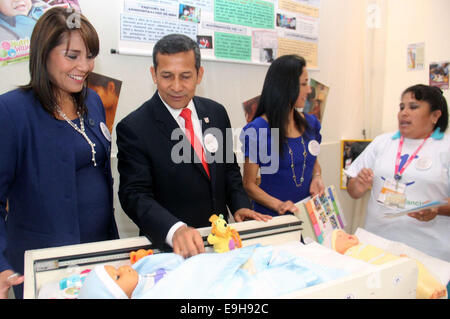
(186, 115)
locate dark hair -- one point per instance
(433, 95)
(50, 30)
(280, 92)
(176, 43)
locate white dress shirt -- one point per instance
(196, 123)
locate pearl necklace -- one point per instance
(80, 130)
(292, 163)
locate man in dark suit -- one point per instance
(167, 187)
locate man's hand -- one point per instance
(187, 242)
(8, 278)
(247, 214)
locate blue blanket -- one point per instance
(250, 272)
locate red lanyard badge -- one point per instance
(398, 174)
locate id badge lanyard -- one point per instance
(398, 173)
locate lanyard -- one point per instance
(398, 174)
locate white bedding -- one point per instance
(325, 256)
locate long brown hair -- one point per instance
(50, 30)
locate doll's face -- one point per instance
(125, 277)
(344, 241)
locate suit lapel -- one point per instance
(164, 120)
(205, 122)
(167, 124)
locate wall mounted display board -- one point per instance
(247, 31)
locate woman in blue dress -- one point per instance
(281, 142)
(55, 150)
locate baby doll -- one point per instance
(249, 272)
(109, 282)
(428, 287)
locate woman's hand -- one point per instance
(244, 214)
(317, 187)
(8, 278)
(287, 206)
(424, 215)
(365, 178)
(357, 186)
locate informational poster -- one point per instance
(416, 56)
(17, 21)
(109, 91)
(250, 107)
(317, 99)
(439, 74)
(253, 31)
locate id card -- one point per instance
(392, 194)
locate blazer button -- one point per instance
(91, 122)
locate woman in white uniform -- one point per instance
(405, 170)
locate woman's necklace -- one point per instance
(292, 163)
(80, 130)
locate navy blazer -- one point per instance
(155, 191)
(37, 176)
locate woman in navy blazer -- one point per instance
(55, 150)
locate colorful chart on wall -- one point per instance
(439, 74)
(251, 31)
(415, 56)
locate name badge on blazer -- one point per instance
(105, 131)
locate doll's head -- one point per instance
(341, 241)
(106, 282)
